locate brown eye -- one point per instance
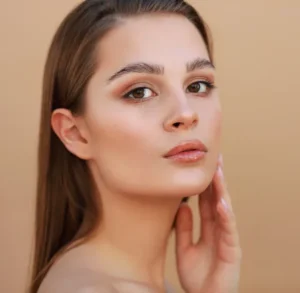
(141, 93)
(200, 87)
(138, 93)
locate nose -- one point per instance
(183, 118)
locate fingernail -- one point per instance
(220, 171)
(225, 204)
(183, 203)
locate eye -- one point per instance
(141, 93)
(200, 87)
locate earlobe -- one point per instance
(65, 127)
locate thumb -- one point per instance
(184, 227)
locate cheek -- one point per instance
(116, 134)
(217, 122)
(214, 132)
(214, 122)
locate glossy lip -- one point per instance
(187, 147)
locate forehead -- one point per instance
(167, 39)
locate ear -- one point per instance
(71, 133)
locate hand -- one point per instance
(212, 265)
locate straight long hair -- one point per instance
(67, 205)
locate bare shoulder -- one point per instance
(77, 281)
(73, 273)
(100, 288)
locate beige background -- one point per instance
(257, 48)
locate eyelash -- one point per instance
(127, 96)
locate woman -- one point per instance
(130, 127)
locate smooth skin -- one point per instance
(217, 254)
(123, 136)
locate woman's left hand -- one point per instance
(212, 265)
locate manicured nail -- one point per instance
(225, 204)
(220, 171)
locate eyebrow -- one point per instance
(141, 67)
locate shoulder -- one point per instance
(77, 281)
(74, 274)
(96, 288)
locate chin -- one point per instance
(171, 184)
(184, 188)
(189, 190)
(187, 186)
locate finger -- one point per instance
(207, 203)
(184, 227)
(208, 213)
(228, 224)
(206, 200)
(220, 161)
(228, 240)
(220, 187)
(226, 218)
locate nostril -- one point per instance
(177, 124)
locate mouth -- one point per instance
(190, 151)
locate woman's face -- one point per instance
(130, 130)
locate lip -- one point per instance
(188, 151)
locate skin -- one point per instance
(124, 142)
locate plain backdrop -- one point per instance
(257, 49)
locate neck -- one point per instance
(133, 237)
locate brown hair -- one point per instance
(66, 206)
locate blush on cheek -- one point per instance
(218, 122)
(215, 122)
